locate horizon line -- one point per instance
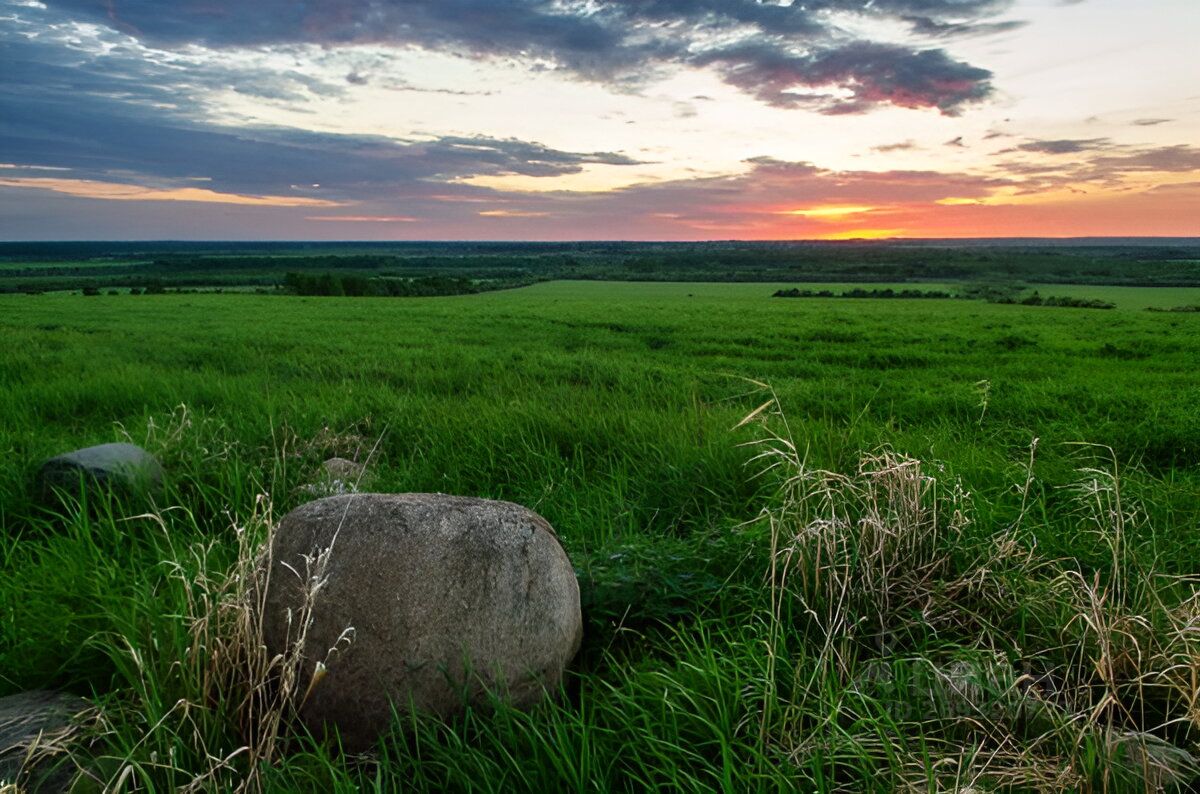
(629, 241)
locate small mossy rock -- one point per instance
(450, 599)
(342, 469)
(29, 720)
(973, 685)
(124, 468)
(338, 476)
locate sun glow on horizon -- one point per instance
(829, 212)
(862, 234)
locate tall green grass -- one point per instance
(613, 412)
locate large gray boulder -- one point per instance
(31, 724)
(125, 468)
(449, 598)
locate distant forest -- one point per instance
(33, 267)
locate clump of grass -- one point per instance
(854, 551)
(1133, 670)
(215, 706)
(208, 705)
(913, 639)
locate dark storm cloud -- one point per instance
(872, 73)
(38, 57)
(502, 27)
(124, 118)
(472, 27)
(769, 50)
(101, 139)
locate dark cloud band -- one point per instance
(780, 53)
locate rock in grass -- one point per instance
(975, 685)
(343, 470)
(29, 723)
(1161, 766)
(124, 468)
(338, 476)
(449, 598)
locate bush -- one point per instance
(1079, 303)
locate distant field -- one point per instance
(1123, 297)
(611, 408)
(1131, 298)
(570, 358)
(1112, 377)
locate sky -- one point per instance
(598, 119)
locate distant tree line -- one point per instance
(73, 266)
(991, 294)
(344, 285)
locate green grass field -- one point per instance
(613, 410)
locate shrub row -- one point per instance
(1065, 302)
(862, 293)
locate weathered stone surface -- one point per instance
(449, 597)
(974, 685)
(1160, 765)
(124, 467)
(33, 719)
(342, 469)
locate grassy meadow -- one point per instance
(935, 587)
